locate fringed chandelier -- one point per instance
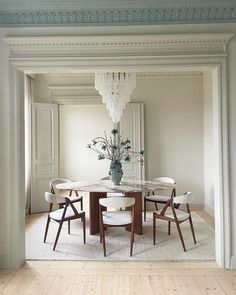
(115, 89)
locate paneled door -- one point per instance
(44, 152)
(132, 127)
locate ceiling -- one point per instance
(105, 13)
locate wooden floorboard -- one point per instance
(91, 277)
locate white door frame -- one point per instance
(131, 53)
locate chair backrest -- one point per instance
(164, 180)
(56, 181)
(184, 199)
(54, 199)
(117, 202)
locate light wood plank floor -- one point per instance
(139, 277)
(75, 277)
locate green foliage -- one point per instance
(115, 148)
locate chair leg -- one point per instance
(192, 229)
(145, 209)
(169, 223)
(58, 234)
(84, 229)
(180, 236)
(154, 229)
(103, 240)
(100, 231)
(132, 239)
(81, 204)
(68, 226)
(156, 206)
(46, 229)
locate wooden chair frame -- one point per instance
(162, 216)
(64, 219)
(70, 194)
(103, 226)
(173, 194)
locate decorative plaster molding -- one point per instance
(169, 74)
(65, 76)
(87, 94)
(139, 75)
(77, 100)
(72, 88)
(167, 40)
(121, 13)
(79, 94)
(118, 45)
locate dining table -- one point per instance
(99, 189)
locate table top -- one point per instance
(108, 186)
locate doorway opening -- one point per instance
(205, 52)
(178, 140)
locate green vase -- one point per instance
(116, 172)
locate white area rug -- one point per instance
(71, 247)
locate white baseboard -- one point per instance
(233, 262)
(209, 210)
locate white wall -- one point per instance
(79, 124)
(208, 143)
(5, 177)
(232, 141)
(173, 116)
(173, 123)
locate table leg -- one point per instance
(138, 219)
(94, 211)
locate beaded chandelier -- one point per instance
(115, 89)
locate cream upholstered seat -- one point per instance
(73, 199)
(171, 213)
(116, 217)
(66, 213)
(156, 198)
(57, 214)
(181, 215)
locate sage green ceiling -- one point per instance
(112, 12)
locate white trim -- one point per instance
(233, 262)
(78, 100)
(135, 61)
(209, 210)
(180, 43)
(139, 75)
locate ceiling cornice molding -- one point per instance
(91, 76)
(83, 93)
(118, 13)
(119, 44)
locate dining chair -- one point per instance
(73, 199)
(172, 213)
(116, 194)
(67, 213)
(116, 217)
(154, 198)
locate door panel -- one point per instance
(44, 152)
(132, 127)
